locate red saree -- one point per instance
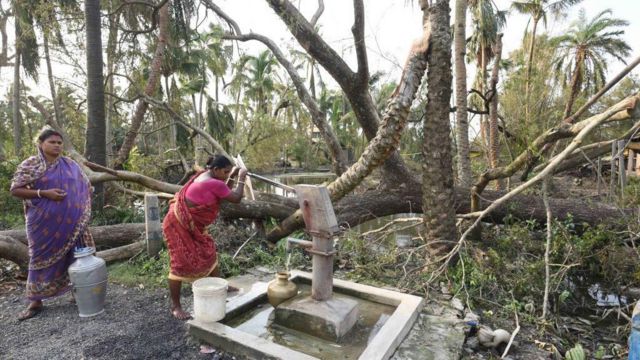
(192, 251)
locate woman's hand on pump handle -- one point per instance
(242, 174)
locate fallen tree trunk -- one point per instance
(352, 210)
(14, 251)
(107, 236)
(355, 209)
(122, 252)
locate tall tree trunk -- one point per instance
(462, 121)
(152, 85)
(112, 56)
(4, 40)
(527, 86)
(494, 140)
(576, 80)
(17, 121)
(52, 86)
(173, 131)
(355, 89)
(482, 68)
(532, 45)
(95, 146)
(437, 170)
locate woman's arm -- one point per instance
(236, 195)
(51, 194)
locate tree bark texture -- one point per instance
(14, 251)
(95, 146)
(152, 86)
(112, 56)
(122, 252)
(437, 170)
(576, 82)
(494, 139)
(17, 121)
(52, 85)
(106, 236)
(462, 121)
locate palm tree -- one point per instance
(462, 122)
(95, 148)
(26, 56)
(487, 25)
(155, 71)
(437, 169)
(538, 10)
(582, 52)
(260, 82)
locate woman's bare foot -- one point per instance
(180, 314)
(34, 308)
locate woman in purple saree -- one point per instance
(57, 203)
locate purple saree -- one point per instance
(54, 228)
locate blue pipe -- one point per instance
(634, 338)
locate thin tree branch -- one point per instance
(178, 119)
(622, 111)
(571, 119)
(317, 116)
(627, 108)
(232, 23)
(315, 45)
(154, 14)
(359, 42)
(318, 13)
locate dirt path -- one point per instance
(136, 325)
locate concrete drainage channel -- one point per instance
(258, 341)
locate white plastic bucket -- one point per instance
(209, 299)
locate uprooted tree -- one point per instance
(395, 188)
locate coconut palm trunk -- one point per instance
(437, 170)
(494, 140)
(576, 83)
(52, 85)
(95, 146)
(112, 55)
(462, 121)
(532, 45)
(17, 122)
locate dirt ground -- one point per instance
(136, 324)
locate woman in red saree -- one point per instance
(192, 251)
(57, 202)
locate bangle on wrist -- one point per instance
(38, 192)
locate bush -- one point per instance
(12, 215)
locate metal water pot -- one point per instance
(88, 274)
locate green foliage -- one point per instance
(112, 215)
(378, 262)
(12, 212)
(577, 353)
(143, 270)
(514, 264)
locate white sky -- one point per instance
(391, 26)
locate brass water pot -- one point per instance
(281, 289)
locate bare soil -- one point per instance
(136, 324)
